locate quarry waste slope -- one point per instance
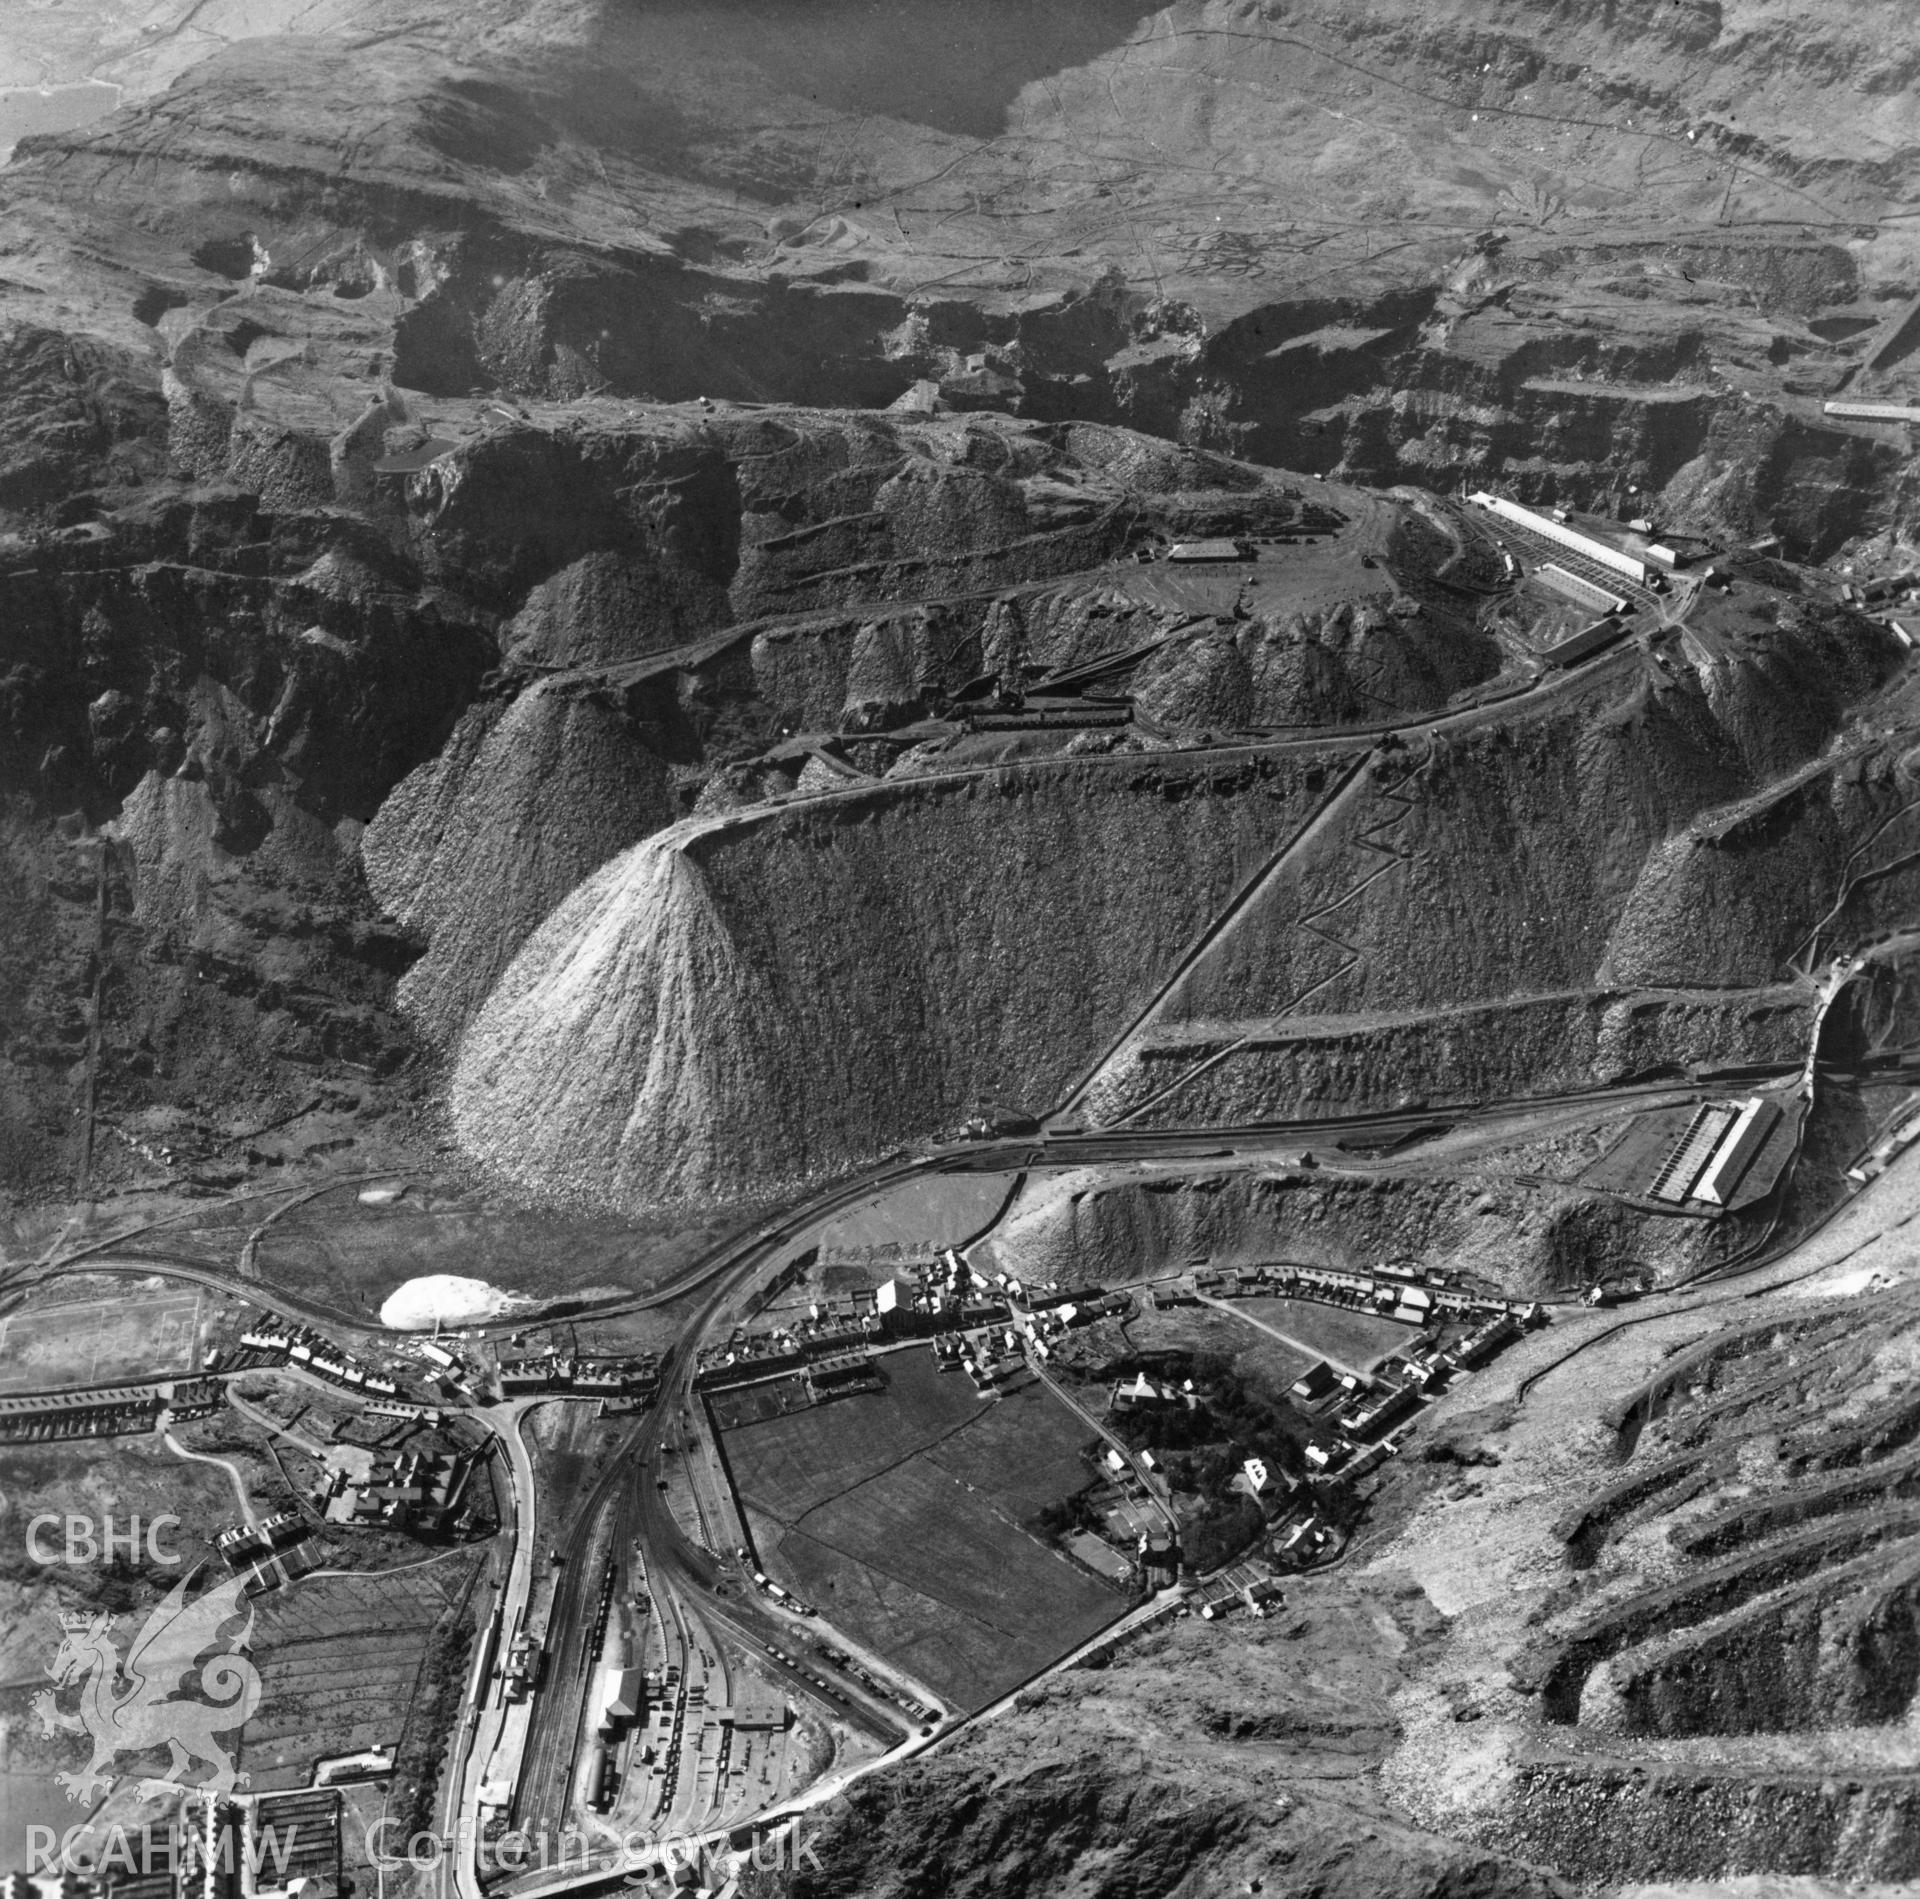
(789, 992)
(795, 991)
(475, 847)
(1678, 1560)
(1514, 854)
(1532, 1240)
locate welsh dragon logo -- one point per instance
(130, 1707)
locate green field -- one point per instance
(130, 1334)
(342, 1665)
(1258, 1358)
(754, 1404)
(898, 1514)
(354, 1255)
(790, 1465)
(931, 1211)
(1023, 1451)
(1358, 1338)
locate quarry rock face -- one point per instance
(1026, 1830)
(1613, 257)
(656, 607)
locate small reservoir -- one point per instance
(26, 110)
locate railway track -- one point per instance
(605, 1522)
